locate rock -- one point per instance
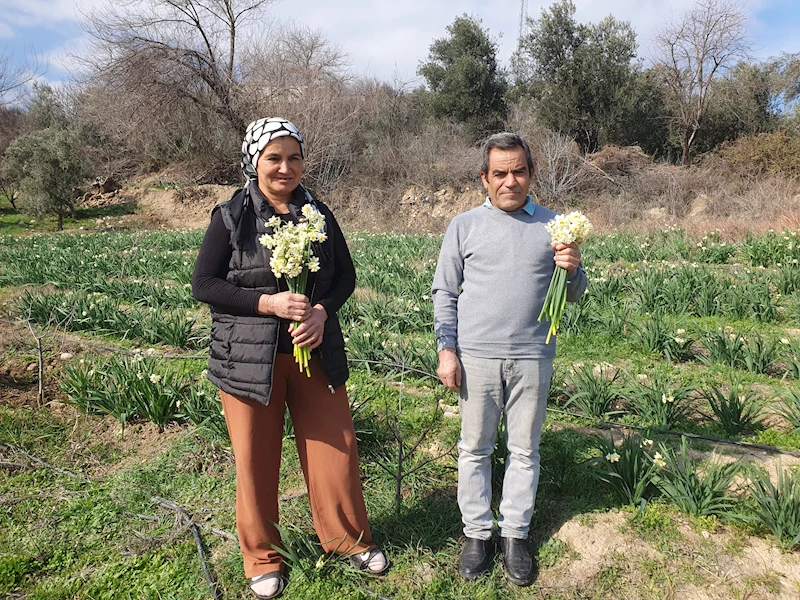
(109, 185)
(31, 366)
(66, 355)
(448, 411)
(700, 206)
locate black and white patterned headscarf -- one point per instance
(259, 134)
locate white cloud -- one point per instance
(43, 12)
(5, 30)
(389, 38)
(63, 61)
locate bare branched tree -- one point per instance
(296, 57)
(560, 166)
(299, 74)
(14, 77)
(175, 48)
(695, 51)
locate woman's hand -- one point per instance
(309, 332)
(285, 305)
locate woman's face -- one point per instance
(279, 167)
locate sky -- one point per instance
(386, 39)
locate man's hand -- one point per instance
(449, 370)
(285, 305)
(568, 256)
(309, 332)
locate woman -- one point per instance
(252, 363)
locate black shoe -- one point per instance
(475, 557)
(517, 561)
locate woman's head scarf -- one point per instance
(259, 134)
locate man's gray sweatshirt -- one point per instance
(491, 281)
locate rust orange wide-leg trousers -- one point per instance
(326, 445)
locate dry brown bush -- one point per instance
(618, 161)
(699, 198)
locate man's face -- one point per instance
(508, 179)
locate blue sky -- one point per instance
(387, 38)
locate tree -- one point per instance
(465, 81)
(786, 72)
(11, 125)
(173, 55)
(45, 166)
(45, 110)
(13, 78)
(578, 76)
(696, 52)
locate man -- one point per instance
(494, 270)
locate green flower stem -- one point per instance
(555, 301)
(297, 285)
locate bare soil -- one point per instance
(420, 210)
(181, 208)
(723, 565)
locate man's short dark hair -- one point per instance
(504, 141)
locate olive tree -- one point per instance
(579, 77)
(465, 81)
(45, 166)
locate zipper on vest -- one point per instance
(330, 387)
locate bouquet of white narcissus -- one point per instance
(293, 258)
(564, 229)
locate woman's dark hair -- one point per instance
(504, 141)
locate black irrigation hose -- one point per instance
(693, 436)
(190, 524)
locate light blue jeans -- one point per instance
(516, 389)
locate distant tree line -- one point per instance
(173, 84)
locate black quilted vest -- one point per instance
(242, 352)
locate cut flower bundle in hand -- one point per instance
(293, 258)
(564, 229)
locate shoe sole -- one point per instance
(472, 576)
(518, 582)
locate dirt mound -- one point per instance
(427, 210)
(184, 207)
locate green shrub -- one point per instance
(627, 469)
(736, 410)
(592, 391)
(660, 403)
(681, 482)
(766, 153)
(776, 507)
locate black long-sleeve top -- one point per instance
(210, 284)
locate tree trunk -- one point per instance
(60, 222)
(687, 138)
